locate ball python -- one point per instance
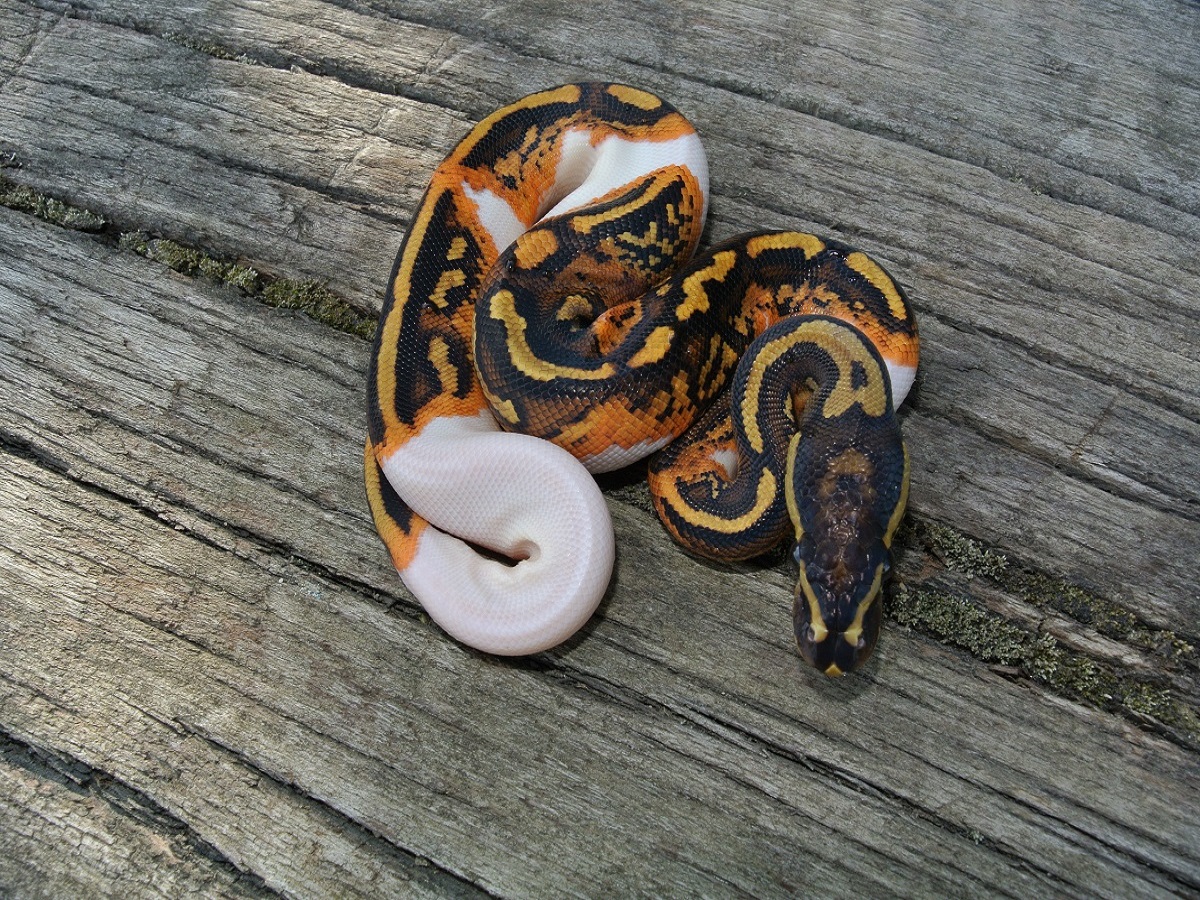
(548, 318)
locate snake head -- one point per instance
(839, 606)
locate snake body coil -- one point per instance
(545, 310)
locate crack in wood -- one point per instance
(81, 778)
(445, 881)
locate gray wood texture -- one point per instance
(211, 681)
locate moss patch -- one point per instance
(308, 296)
(189, 261)
(1104, 616)
(317, 301)
(958, 620)
(24, 199)
(208, 48)
(960, 553)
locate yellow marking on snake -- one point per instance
(898, 512)
(651, 240)
(574, 306)
(448, 281)
(828, 337)
(765, 359)
(789, 478)
(854, 632)
(458, 249)
(816, 620)
(695, 296)
(634, 97)
(792, 240)
(567, 93)
(654, 185)
(764, 496)
(871, 396)
(389, 344)
(534, 248)
(506, 410)
(710, 359)
(447, 372)
(870, 270)
(655, 348)
(503, 309)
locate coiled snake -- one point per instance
(546, 319)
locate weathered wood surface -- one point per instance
(211, 680)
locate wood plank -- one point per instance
(875, 76)
(1078, 468)
(271, 687)
(112, 832)
(203, 173)
(203, 647)
(1046, 473)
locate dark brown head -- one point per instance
(839, 606)
(849, 496)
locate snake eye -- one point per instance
(796, 554)
(887, 565)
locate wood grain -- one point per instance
(212, 681)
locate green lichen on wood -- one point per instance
(960, 553)
(208, 48)
(305, 295)
(316, 300)
(962, 623)
(1105, 617)
(24, 199)
(1071, 674)
(189, 261)
(958, 621)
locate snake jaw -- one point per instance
(835, 631)
(840, 652)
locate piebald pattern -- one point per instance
(546, 319)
